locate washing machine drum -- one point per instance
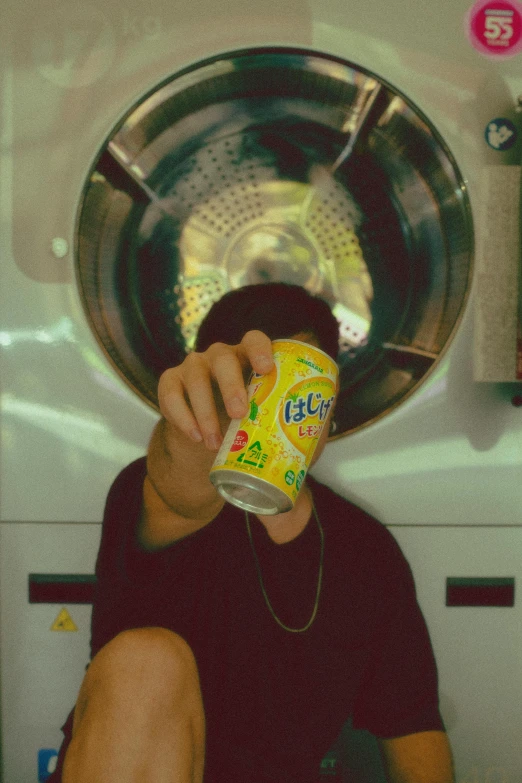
(278, 165)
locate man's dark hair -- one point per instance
(277, 309)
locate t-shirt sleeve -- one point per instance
(120, 556)
(398, 693)
(125, 573)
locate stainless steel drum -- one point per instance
(278, 165)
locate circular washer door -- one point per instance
(278, 165)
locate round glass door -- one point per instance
(278, 165)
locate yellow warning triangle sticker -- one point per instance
(64, 622)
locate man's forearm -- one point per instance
(179, 470)
(178, 495)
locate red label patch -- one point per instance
(240, 441)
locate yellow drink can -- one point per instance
(265, 456)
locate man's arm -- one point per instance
(171, 508)
(418, 758)
(197, 400)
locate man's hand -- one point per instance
(418, 758)
(197, 399)
(200, 395)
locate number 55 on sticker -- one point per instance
(499, 28)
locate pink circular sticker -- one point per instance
(494, 27)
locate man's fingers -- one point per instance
(199, 387)
(256, 348)
(226, 367)
(173, 405)
(228, 364)
(191, 395)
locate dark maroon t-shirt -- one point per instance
(276, 701)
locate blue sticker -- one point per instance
(501, 134)
(47, 759)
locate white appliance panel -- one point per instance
(41, 669)
(476, 647)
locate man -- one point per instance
(233, 649)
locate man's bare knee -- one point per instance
(139, 715)
(144, 666)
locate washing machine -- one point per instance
(154, 156)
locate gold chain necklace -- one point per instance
(260, 577)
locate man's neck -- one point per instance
(285, 527)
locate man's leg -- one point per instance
(139, 715)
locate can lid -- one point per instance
(252, 499)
